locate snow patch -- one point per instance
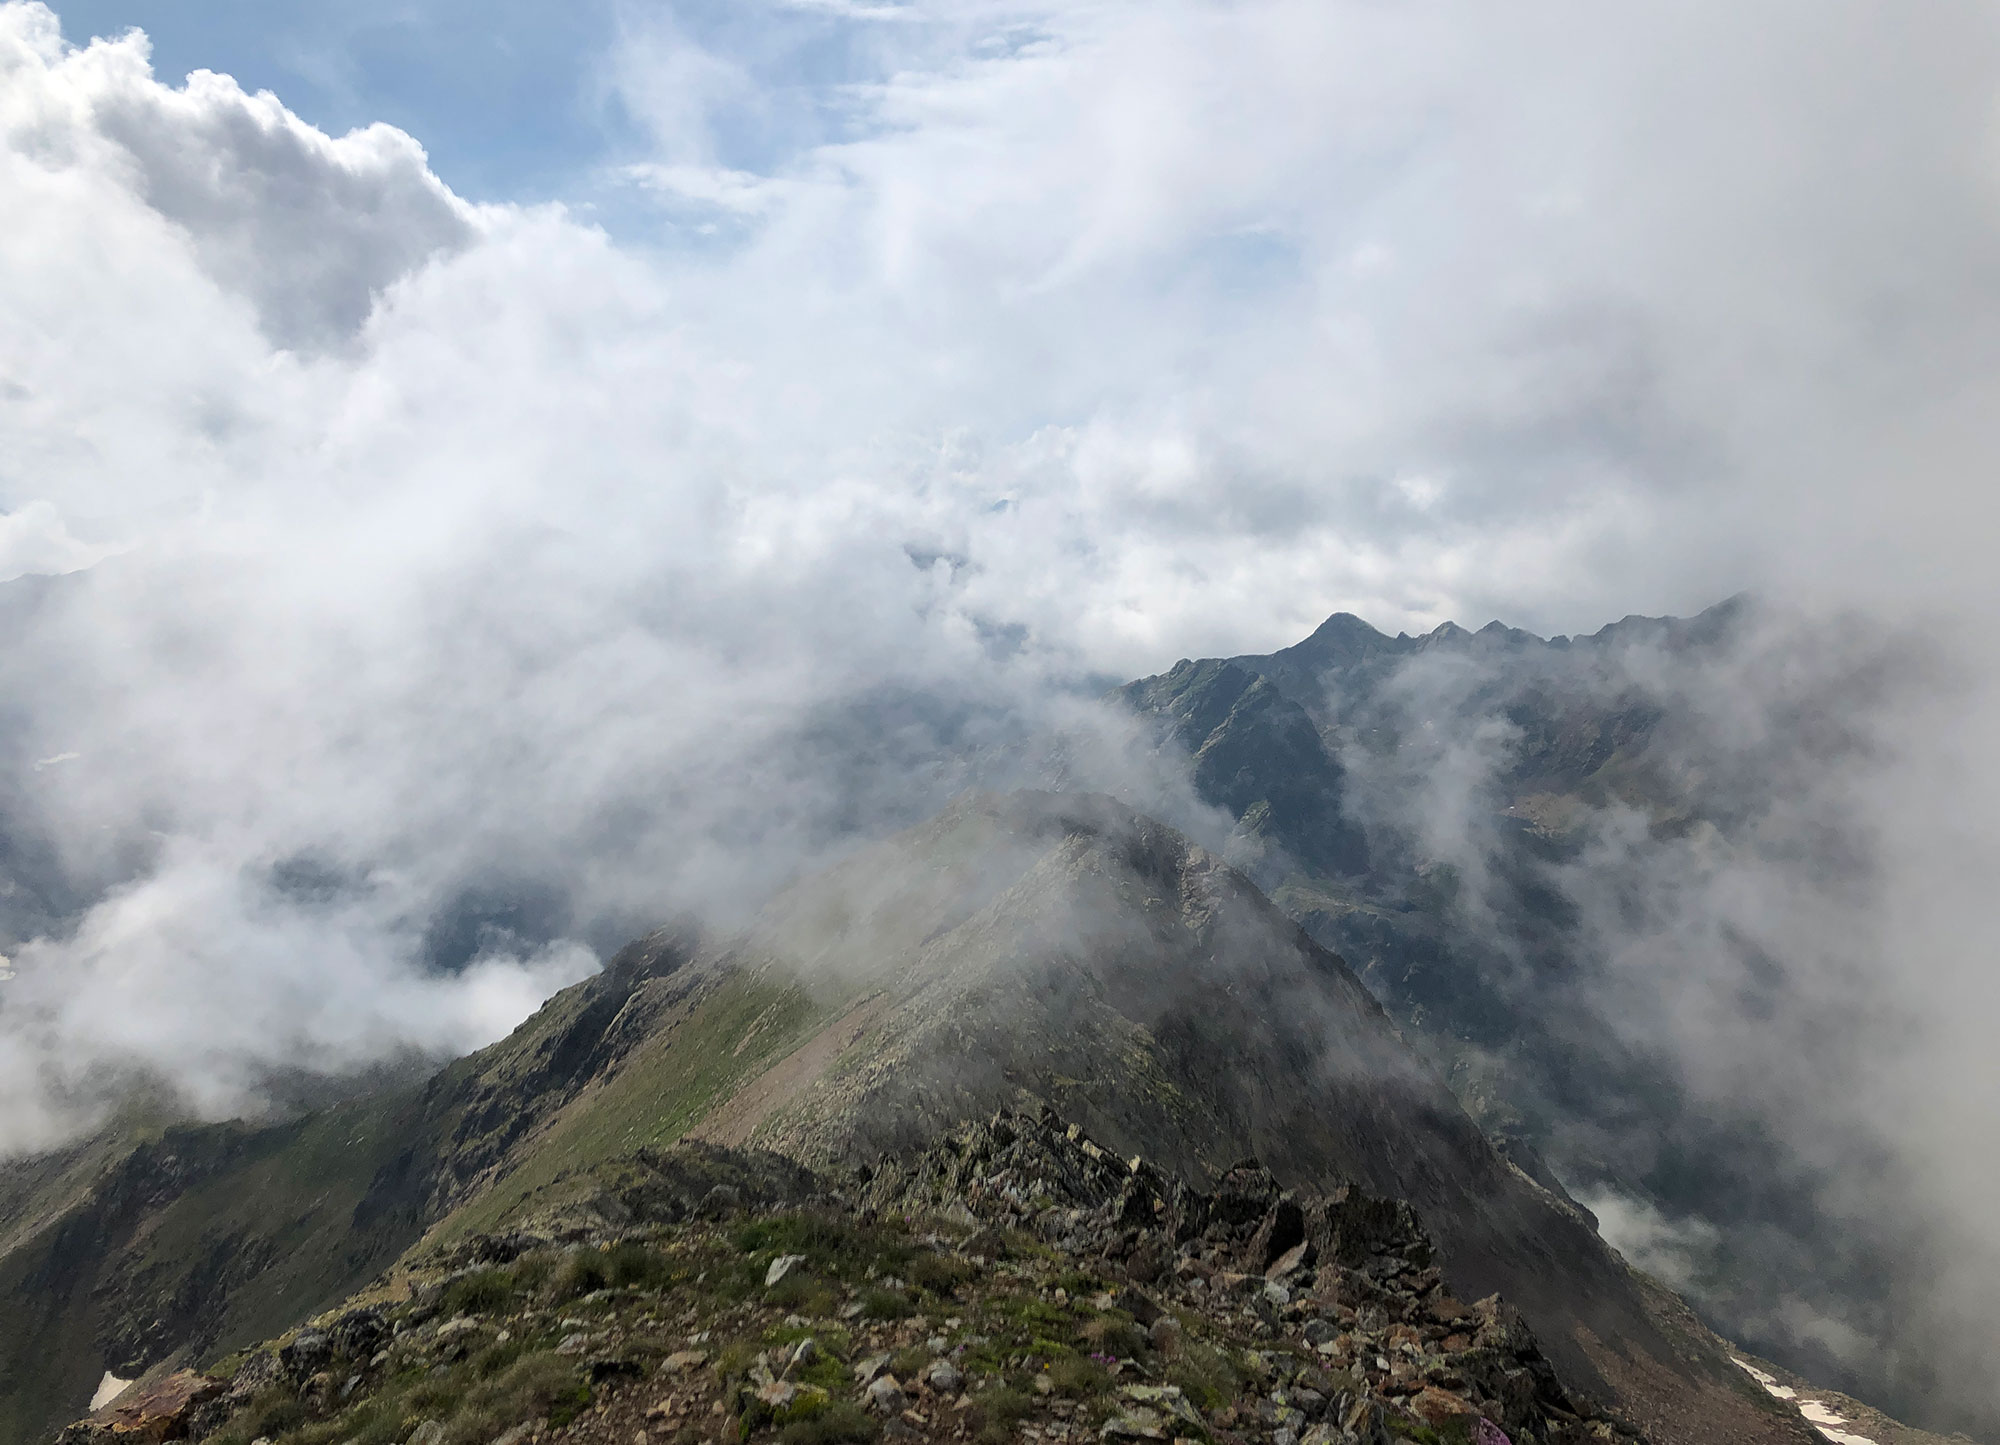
(108, 1389)
(1823, 1417)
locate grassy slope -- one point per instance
(223, 1233)
(230, 1234)
(732, 1033)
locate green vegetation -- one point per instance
(474, 1400)
(996, 1412)
(1206, 1375)
(484, 1292)
(747, 1023)
(838, 1424)
(1457, 1430)
(1079, 1377)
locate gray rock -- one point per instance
(1321, 1332)
(429, 1432)
(1138, 1423)
(307, 1355)
(885, 1396)
(783, 1265)
(945, 1377)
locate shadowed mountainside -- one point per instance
(1521, 803)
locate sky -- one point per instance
(512, 101)
(475, 481)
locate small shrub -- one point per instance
(384, 1426)
(733, 1361)
(495, 1358)
(938, 1274)
(437, 1394)
(825, 1371)
(633, 1266)
(1205, 1376)
(995, 1413)
(1037, 1315)
(813, 1235)
(580, 1272)
(1115, 1335)
(838, 1424)
(798, 1290)
(533, 1387)
(806, 1405)
(1079, 1377)
(1080, 1286)
(1410, 1430)
(533, 1270)
(483, 1292)
(273, 1412)
(884, 1304)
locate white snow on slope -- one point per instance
(1824, 1417)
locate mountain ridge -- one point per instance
(1022, 943)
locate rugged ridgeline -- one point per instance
(1325, 754)
(1035, 946)
(1488, 989)
(1067, 1295)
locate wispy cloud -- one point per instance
(487, 582)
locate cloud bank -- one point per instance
(419, 594)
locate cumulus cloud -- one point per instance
(308, 228)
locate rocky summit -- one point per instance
(1015, 1281)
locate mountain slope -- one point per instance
(1055, 946)
(1531, 807)
(1069, 1296)
(1156, 997)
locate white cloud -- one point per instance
(34, 539)
(309, 228)
(471, 550)
(1674, 1251)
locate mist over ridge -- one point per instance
(405, 599)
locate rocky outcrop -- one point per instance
(148, 1412)
(1013, 1281)
(1347, 1279)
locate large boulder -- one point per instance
(149, 1411)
